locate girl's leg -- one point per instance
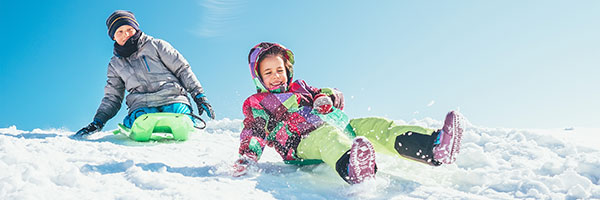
(354, 160)
(412, 142)
(326, 143)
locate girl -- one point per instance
(156, 76)
(306, 125)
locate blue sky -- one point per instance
(515, 64)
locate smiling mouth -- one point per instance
(276, 85)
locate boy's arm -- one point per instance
(114, 91)
(179, 66)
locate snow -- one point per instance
(495, 163)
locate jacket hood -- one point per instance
(256, 53)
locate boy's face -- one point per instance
(272, 71)
(123, 33)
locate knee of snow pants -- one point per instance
(326, 143)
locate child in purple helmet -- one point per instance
(306, 125)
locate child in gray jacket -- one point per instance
(155, 75)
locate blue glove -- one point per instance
(91, 128)
(203, 105)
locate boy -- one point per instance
(155, 75)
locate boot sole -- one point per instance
(449, 147)
(362, 160)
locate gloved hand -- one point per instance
(323, 104)
(203, 105)
(241, 165)
(91, 128)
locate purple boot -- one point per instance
(450, 138)
(361, 163)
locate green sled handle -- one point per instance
(161, 126)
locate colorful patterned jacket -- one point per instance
(281, 120)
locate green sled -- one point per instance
(158, 126)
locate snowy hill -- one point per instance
(494, 164)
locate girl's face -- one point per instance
(123, 33)
(272, 71)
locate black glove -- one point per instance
(203, 105)
(93, 127)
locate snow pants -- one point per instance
(329, 143)
(171, 108)
(411, 142)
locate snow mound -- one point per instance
(495, 163)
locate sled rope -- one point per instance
(198, 117)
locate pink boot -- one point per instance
(451, 135)
(361, 163)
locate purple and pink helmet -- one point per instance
(253, 58)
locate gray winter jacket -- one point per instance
(153, 76)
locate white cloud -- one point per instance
(217, 16)
(431, 103)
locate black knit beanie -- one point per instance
(120, 18)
